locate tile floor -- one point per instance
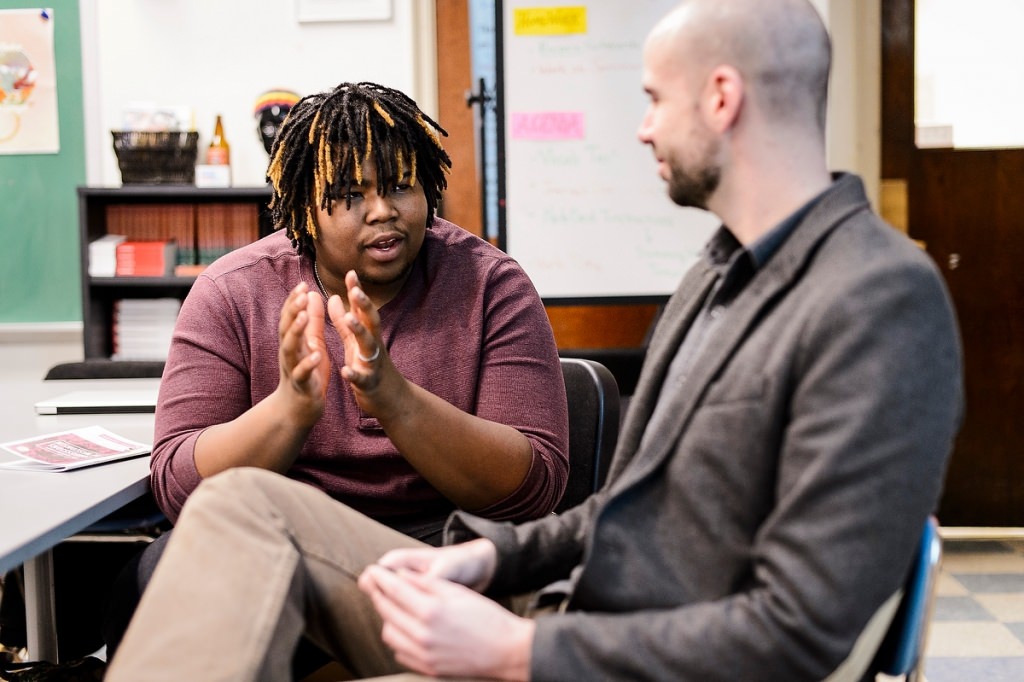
(977, 626)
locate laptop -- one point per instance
(110, 401)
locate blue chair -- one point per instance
(903, 647)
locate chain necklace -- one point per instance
(316, 273)
(323, 290)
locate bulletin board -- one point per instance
(581, 205)
(39, 261)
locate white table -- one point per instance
(40, 509)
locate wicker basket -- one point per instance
(156, 158)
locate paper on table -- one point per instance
(73, 449)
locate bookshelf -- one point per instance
(205, 222)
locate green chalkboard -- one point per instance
(39, 252)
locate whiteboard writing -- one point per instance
(585, 211)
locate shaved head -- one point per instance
(779, 47)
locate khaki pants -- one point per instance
(285, 558)
(255, 561)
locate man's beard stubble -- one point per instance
(694, 188)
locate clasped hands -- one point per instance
(305, 365)
(435, 619)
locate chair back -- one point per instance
(903, 647)
(593, 398)
(101, 368)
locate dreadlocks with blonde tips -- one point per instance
(322, 144)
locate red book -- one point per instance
(146, 258)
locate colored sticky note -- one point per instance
(547, 125)
(549, 21)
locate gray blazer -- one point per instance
(755, 536)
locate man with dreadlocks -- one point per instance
(429, 381)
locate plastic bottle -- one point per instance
(219, 151)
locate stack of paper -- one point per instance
(143, 327)
(71, 450)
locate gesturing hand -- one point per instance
(368, 367)
(437, 627)
(302, 355)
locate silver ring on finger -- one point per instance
(376, 354)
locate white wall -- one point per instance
(218, 56)
(855, 90)
(853, 130)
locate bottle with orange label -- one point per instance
(219, 151)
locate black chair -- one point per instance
(623, 363)
(107, 369)
(593, 397)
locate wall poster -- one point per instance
(28, 83)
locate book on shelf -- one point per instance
(154, 258)
(224, 227)
(188, 270)
(103, 255)
(74, 449)
(163, 222)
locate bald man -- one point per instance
(786, 441)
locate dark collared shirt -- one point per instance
(735, 267)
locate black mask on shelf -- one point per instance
(270, 121)
(271, 109)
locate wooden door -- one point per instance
(462, 202)
(967, 207)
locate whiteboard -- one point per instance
(585, 212)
